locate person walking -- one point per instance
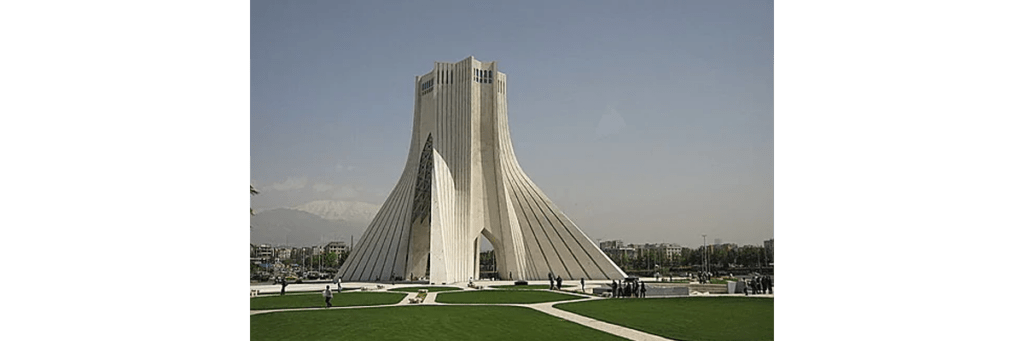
(328, 296)
(551, 281)
(615, 289)
(558, 281)
(643, 290)
(284, 283)
(583, 286)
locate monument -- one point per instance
(462, 181)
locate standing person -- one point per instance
(746, 288)
(559, 282)
(643, 290)
(551, 281)
(770, 284)
(583, 286)
(337, 282)
(328, 296)
(284, 283)
(615, 289)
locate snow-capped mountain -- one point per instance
(340, 210)
(312, 223)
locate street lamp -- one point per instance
(705, 252)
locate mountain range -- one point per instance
(312, 223)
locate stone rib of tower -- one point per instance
(461, 181)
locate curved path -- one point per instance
(544, 307)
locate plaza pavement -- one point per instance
(544, 307)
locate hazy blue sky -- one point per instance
(646, 121)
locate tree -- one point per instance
(331, 259)
(342, 257)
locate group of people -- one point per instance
(759, 285)
(704, 277)
(555, 282)
(629, 289)
(328, 294)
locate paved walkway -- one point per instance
(431, 298)
(545, 307)
(617, 330)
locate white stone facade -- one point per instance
(461, 181)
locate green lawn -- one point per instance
(528, 287)
(430, 289)
(419, 323)
(268, 293)
(503, 296)
(687, 318)
(315, 300)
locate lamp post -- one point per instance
(705, 252)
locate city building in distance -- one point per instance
(462, 181)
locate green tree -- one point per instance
(342, 257)
(331, 259)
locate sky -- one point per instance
(645, 121)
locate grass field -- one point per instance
(430, 289)
(315, 300)
(502, 296)
(528, 287)
(268, 293)
(419, 323)
(687, 318)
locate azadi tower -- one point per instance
(461, 181)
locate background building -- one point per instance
(337, 247)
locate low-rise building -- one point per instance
(337, 247)
(264, 252)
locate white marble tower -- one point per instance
(461, 181)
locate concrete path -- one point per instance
(431, 298)
(405, 300)
(545, 307)
(617, 330)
